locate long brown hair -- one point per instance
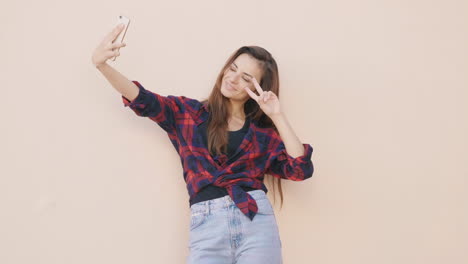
(217, 131)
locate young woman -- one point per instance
(227, 144)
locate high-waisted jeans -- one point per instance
(221, 234)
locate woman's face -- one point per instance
(238, 76)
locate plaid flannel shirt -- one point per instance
(262, 149)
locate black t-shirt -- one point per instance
(235, 139)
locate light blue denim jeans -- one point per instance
(221, 234)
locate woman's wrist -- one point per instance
(277, 117)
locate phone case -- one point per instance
(119, 39)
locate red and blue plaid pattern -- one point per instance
(262, 149)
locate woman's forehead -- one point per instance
(248, 64)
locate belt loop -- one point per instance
(207, 208)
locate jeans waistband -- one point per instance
(223, 202)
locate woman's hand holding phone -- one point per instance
(108, 48)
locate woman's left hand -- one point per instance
(267, 100)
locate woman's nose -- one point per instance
(235, 77)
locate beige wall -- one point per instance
(378, 88)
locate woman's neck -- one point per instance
(237, 110)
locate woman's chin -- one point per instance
(227, 93)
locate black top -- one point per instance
(235, 139)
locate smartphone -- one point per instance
(119, 39)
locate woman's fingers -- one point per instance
(263, 97)
(118, 45)
(107, 48)
(257, 86)
(115, 32)
(271, 95)
(115, 46)
(252, 94)
(112, 53)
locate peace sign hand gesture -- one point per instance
(268, 101)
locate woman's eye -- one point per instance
(232, 69)
(247, 80)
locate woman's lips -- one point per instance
(230, 87)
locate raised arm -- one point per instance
(160, 109)
(124, 86)
(289, 158)
(106, 50)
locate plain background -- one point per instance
(378, 88)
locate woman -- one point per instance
(227, 144)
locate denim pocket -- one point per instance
(264, 207)
(196, 219)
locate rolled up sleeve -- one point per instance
(283, 165)
(158, 108)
